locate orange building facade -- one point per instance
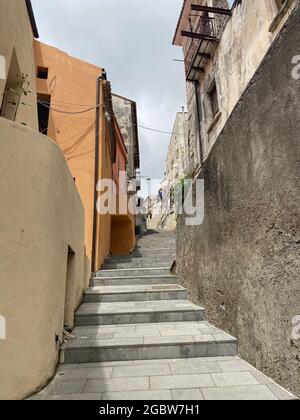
(75, 110)
(123, 223)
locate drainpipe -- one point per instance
(96, 171)
(198, 107)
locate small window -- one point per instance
(214, 100)
(42, 73)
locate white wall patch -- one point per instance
(2, 328)
(2, 67)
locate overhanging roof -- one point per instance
(189, 7)
(32, 18)
(182, 22)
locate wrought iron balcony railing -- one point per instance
(206, 32)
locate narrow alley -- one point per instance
(150, 196)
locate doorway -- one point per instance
(69, 295)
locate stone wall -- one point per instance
(243, 263)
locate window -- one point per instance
(214, 100)
(44, 102)
(42, 73)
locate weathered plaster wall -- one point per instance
(123, 109)
(16, 36)
(243, 44)
(41, 215)
(177, 162)
(243, 263)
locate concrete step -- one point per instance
(148, 342)
(169, 243)
(155, 248)
(158, 241)
(130, 272)
(134, 280)
(138, 312)
(138, 264)
(142, 258)
(135, 293)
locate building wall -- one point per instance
(245, 40)
(72, 86)
(244, 43)
(177, 163)
(123, 239)
(41, 216)
(242, 264)
(16, 42)
(124, 110)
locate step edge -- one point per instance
(232, 341)
(95, 292)
(136, 313)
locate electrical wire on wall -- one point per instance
(95, 107)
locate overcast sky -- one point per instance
(132, 40)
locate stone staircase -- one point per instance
(137, 337)
(135, 310)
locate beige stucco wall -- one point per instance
(16, 35)
(41, 215)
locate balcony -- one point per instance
(206, 34)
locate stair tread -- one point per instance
(138, 276)
(147, 334)
(136, 269)
(115, 308)
(134, 289)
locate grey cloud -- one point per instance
(132, 39)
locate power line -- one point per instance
(97, 106)
(159, 131)
(68, 112)
(71, 104)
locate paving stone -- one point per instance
(116, 385)
(87, 373)
(281, 393)
(260, 377)
(138, 396)
(234, 366)
(73, 397)
(234, 379)
(181, 382)
(66, 386)
(183, 368)
(142, 370)
(169, 340)
(239, 393)
(187, 395)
